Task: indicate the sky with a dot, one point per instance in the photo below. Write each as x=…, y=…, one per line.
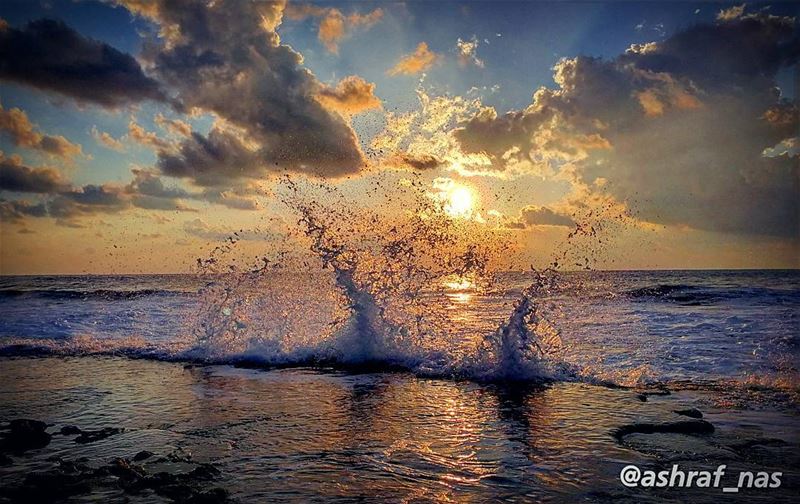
x=136, y=135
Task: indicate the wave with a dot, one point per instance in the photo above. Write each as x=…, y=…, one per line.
x=748, y=392
x=101, y=294
x=700, y=295
x=186, y=352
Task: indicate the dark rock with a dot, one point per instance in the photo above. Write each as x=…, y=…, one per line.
x=5, y=460
x=22, y=425
x=69, y=430
x=642, y=396
x=204, y=472
x=690, y=412
x=213, y=496
x=691, y=427
x=50, y=487
x=24, y=434
x=124, y=470
x=92, y=436
x=142, y=455
x=70, y=467
x=177, y=492
x=153, y=482
x=179, y=457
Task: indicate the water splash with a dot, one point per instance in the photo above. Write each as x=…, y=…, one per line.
x=384, y=292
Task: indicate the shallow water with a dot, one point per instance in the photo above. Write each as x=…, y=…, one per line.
x=302, y=434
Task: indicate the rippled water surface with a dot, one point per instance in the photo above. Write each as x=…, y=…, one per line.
x=302, y=434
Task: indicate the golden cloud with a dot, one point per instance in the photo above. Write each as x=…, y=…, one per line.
x=420, y=60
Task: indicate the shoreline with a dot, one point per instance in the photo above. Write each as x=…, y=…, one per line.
x=258, y=417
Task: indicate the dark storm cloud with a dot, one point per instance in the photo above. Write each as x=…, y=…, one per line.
x=728, y=54
x=211, y=160
x=226, y=57
x=683, y=129
x=62, y=200
x=49, y=55
x=16, y=211
x=16, y=177
x=147, y=190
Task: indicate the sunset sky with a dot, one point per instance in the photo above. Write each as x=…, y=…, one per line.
x=135, y=134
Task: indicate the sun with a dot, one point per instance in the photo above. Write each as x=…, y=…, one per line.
x=460, y=201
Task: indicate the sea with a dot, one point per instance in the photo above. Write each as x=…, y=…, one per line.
x=299, y=389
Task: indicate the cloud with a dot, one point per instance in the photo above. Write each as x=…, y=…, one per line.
x=16, y=177
x=106, y=140
x=239, y=198
x=174, y=126
x=51, y=56
x=677, y=129
x=16, y=211
x=420, y=60
x=351, y=96
x=419, y=161
x=731, y=13
x=136, y=133
x=16, y=125
x=333, y=25
x=213, y=160
x=147, y=138
x=204, y=230
x=533, y=215
x=468, y=52
x=62, y=200
x=148, y=191
x=226, y=58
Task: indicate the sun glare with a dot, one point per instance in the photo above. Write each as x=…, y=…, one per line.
x=460, y=202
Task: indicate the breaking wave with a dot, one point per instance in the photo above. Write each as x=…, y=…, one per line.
x=349, y=287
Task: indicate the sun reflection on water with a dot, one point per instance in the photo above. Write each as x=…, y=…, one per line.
x=460, y=289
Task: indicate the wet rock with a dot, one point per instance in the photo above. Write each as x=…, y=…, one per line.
x=52, y=486
x=204, y=472
x=213, y=496
x=124, y=470
x=92, y=436
x=178, y=492
x=24, y=434
x=178, y=487
x=142, y=455
x=690, y=412
x=153, y=482
x=176, y=457
x=69, y=430
x=691, y=427
x=72, y=467
x=642, y=396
